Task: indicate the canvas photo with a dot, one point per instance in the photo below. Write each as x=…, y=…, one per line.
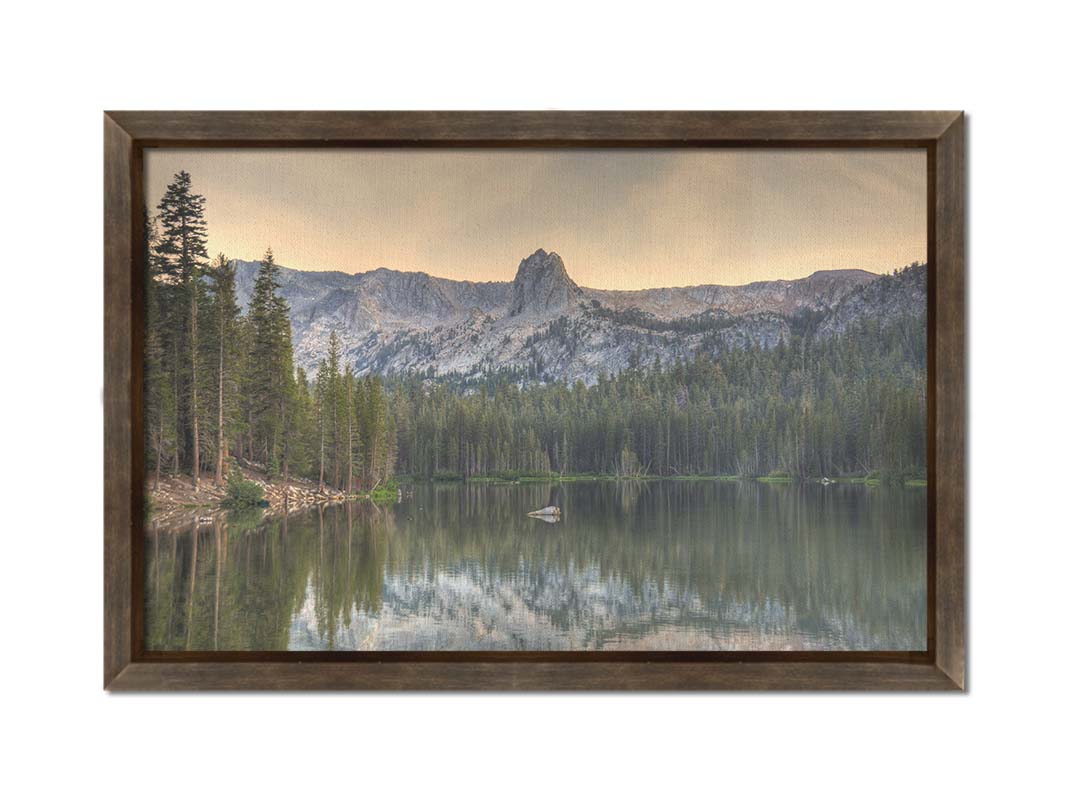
x=466, y=399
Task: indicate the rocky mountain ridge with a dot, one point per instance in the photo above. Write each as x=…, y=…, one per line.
x=543, y=326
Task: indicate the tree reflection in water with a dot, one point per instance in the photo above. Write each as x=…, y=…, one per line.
x=688, y=565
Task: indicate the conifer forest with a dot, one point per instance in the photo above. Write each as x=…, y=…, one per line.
x=222, y=389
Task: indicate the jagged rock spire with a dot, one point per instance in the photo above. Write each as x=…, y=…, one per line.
x=542, y=284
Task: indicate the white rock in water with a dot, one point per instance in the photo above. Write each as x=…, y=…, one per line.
x=547, y=511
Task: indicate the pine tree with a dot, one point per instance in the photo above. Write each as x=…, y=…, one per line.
x=270, y=367
x=334, y=399
x=225, y=346
x=182, y=255
x=355, y=445
x=370, y=403
x=155, y=351
x=321, y=401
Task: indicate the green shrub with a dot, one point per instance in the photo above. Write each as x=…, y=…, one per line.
x=241, y=492
x=387, y=492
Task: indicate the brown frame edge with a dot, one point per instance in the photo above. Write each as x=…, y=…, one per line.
x=126, y=133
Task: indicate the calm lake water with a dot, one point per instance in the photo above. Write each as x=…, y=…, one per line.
x=679, y=565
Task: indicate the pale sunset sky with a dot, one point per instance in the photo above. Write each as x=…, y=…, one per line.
x=620, y=219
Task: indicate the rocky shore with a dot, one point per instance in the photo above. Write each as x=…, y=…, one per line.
x=174, y=499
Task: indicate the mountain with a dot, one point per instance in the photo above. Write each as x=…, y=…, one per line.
x=542, y=286
x=882, y=300
x=542, y=325
x=820, y=290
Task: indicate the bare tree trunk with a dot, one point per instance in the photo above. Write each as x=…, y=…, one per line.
x=192, y=350
x=667, y=456
x=322, y=454
x=336, y=447
x=222, y=437
x=285, y=456
x=796, y=448
x=176, y=466
x=159, y=451
x=349, y=482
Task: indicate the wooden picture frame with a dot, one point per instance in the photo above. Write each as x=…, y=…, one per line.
x=128, y=667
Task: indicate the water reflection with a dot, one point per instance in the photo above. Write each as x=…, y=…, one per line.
x=631, y=565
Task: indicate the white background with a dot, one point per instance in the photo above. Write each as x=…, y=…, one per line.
x=62, y=66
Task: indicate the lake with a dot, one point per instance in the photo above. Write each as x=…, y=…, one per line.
x=637, y=565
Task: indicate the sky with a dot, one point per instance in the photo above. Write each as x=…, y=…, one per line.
x=619, y=218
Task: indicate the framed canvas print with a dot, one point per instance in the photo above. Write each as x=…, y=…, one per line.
x=534, y=400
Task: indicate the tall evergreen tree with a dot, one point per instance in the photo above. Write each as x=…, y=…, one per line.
x=155, y=364
x=321, y=404
x=181, y=250
x=224, y=340
x=355, y=446
x=335, y=402
x=270, y=365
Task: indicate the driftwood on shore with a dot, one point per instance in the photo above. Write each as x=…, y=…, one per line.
x=174, y=498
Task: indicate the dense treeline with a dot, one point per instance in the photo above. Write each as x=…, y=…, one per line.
x=850, y=405
x=221, y=385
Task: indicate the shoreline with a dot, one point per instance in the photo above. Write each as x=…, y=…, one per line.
x=175, y=499
x=491, y=480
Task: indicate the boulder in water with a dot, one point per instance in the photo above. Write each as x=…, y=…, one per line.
x=547, y=511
